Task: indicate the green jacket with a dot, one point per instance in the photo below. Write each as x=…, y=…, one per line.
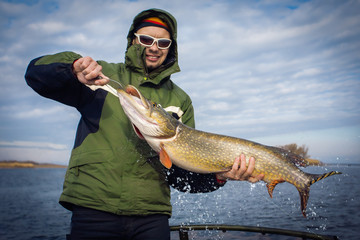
x=110, y=168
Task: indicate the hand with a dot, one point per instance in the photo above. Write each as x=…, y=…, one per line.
x=240, y=172
x=88, y=71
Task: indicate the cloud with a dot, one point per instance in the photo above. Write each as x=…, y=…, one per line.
x=40, y=112
x=48, y=27
x=259, y=68
x=307, y=72
x=37, y=112
x=26, y=144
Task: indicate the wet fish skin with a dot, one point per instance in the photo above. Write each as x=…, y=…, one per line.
x=204, y=152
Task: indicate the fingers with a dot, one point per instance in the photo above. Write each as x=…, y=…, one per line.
x=242, y=169
x=256, y=178
x=245, y=172
x=241, y=172
x=248, y=175
x=87, y=70
x=237, y=164
x=231, y=174
x=101, y=80
x=250, y=168
x=91, y=69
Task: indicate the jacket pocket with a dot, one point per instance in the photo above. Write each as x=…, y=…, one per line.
x=90, y=179
x=89, y=157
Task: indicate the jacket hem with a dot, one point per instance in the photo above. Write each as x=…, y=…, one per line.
x=68, y=202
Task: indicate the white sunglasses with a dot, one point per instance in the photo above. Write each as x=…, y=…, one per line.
x=148, y=41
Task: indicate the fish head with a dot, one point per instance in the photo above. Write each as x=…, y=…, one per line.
x=148, y=118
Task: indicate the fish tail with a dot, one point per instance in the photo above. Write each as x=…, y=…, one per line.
x=304, y=191
x=304, y=197
x=318, y=177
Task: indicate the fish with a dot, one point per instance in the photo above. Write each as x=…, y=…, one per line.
x=203, y=152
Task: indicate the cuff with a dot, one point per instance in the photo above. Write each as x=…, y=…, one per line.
x=219, y=181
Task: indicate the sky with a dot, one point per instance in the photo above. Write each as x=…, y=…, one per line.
x=275, y=72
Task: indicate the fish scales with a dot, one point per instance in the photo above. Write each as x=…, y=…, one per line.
x=205, y=152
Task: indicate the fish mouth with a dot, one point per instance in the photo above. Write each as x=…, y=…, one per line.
x=135, y=106
x=137, y=96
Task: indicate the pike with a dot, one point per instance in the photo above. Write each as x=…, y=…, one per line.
x=204, y=152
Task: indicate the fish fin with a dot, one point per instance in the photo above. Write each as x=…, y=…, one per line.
x=318, y=177
x=271, y=185
x=304, y=197
x=305, y=191
x=292, y=157
x=164, y=158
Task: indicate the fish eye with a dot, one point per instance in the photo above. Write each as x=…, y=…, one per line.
x=155, y=105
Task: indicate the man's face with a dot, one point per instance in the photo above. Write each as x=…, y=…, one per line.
x=154, y=56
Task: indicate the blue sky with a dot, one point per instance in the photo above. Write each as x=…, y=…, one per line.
x=275, y=72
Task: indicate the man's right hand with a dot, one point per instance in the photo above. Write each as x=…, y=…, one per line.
x=88, y=71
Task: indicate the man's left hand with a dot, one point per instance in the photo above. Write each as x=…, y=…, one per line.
x=240, y=172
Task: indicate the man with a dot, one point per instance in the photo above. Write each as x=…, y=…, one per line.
x=114, y=185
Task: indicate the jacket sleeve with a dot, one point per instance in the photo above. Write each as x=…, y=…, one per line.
x=186, y=181
x=51, y=76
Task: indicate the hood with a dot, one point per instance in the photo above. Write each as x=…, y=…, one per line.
x=163, y=15
x=133, y=52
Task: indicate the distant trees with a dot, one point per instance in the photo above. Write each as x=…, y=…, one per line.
x=303, y=152
x=299, y=150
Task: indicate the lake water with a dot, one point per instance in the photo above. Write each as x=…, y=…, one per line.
x=29, y=206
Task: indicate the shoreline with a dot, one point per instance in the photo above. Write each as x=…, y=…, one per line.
x=28, y=164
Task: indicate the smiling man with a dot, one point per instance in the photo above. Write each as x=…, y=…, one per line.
x=157, y=41
x=114, y=185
